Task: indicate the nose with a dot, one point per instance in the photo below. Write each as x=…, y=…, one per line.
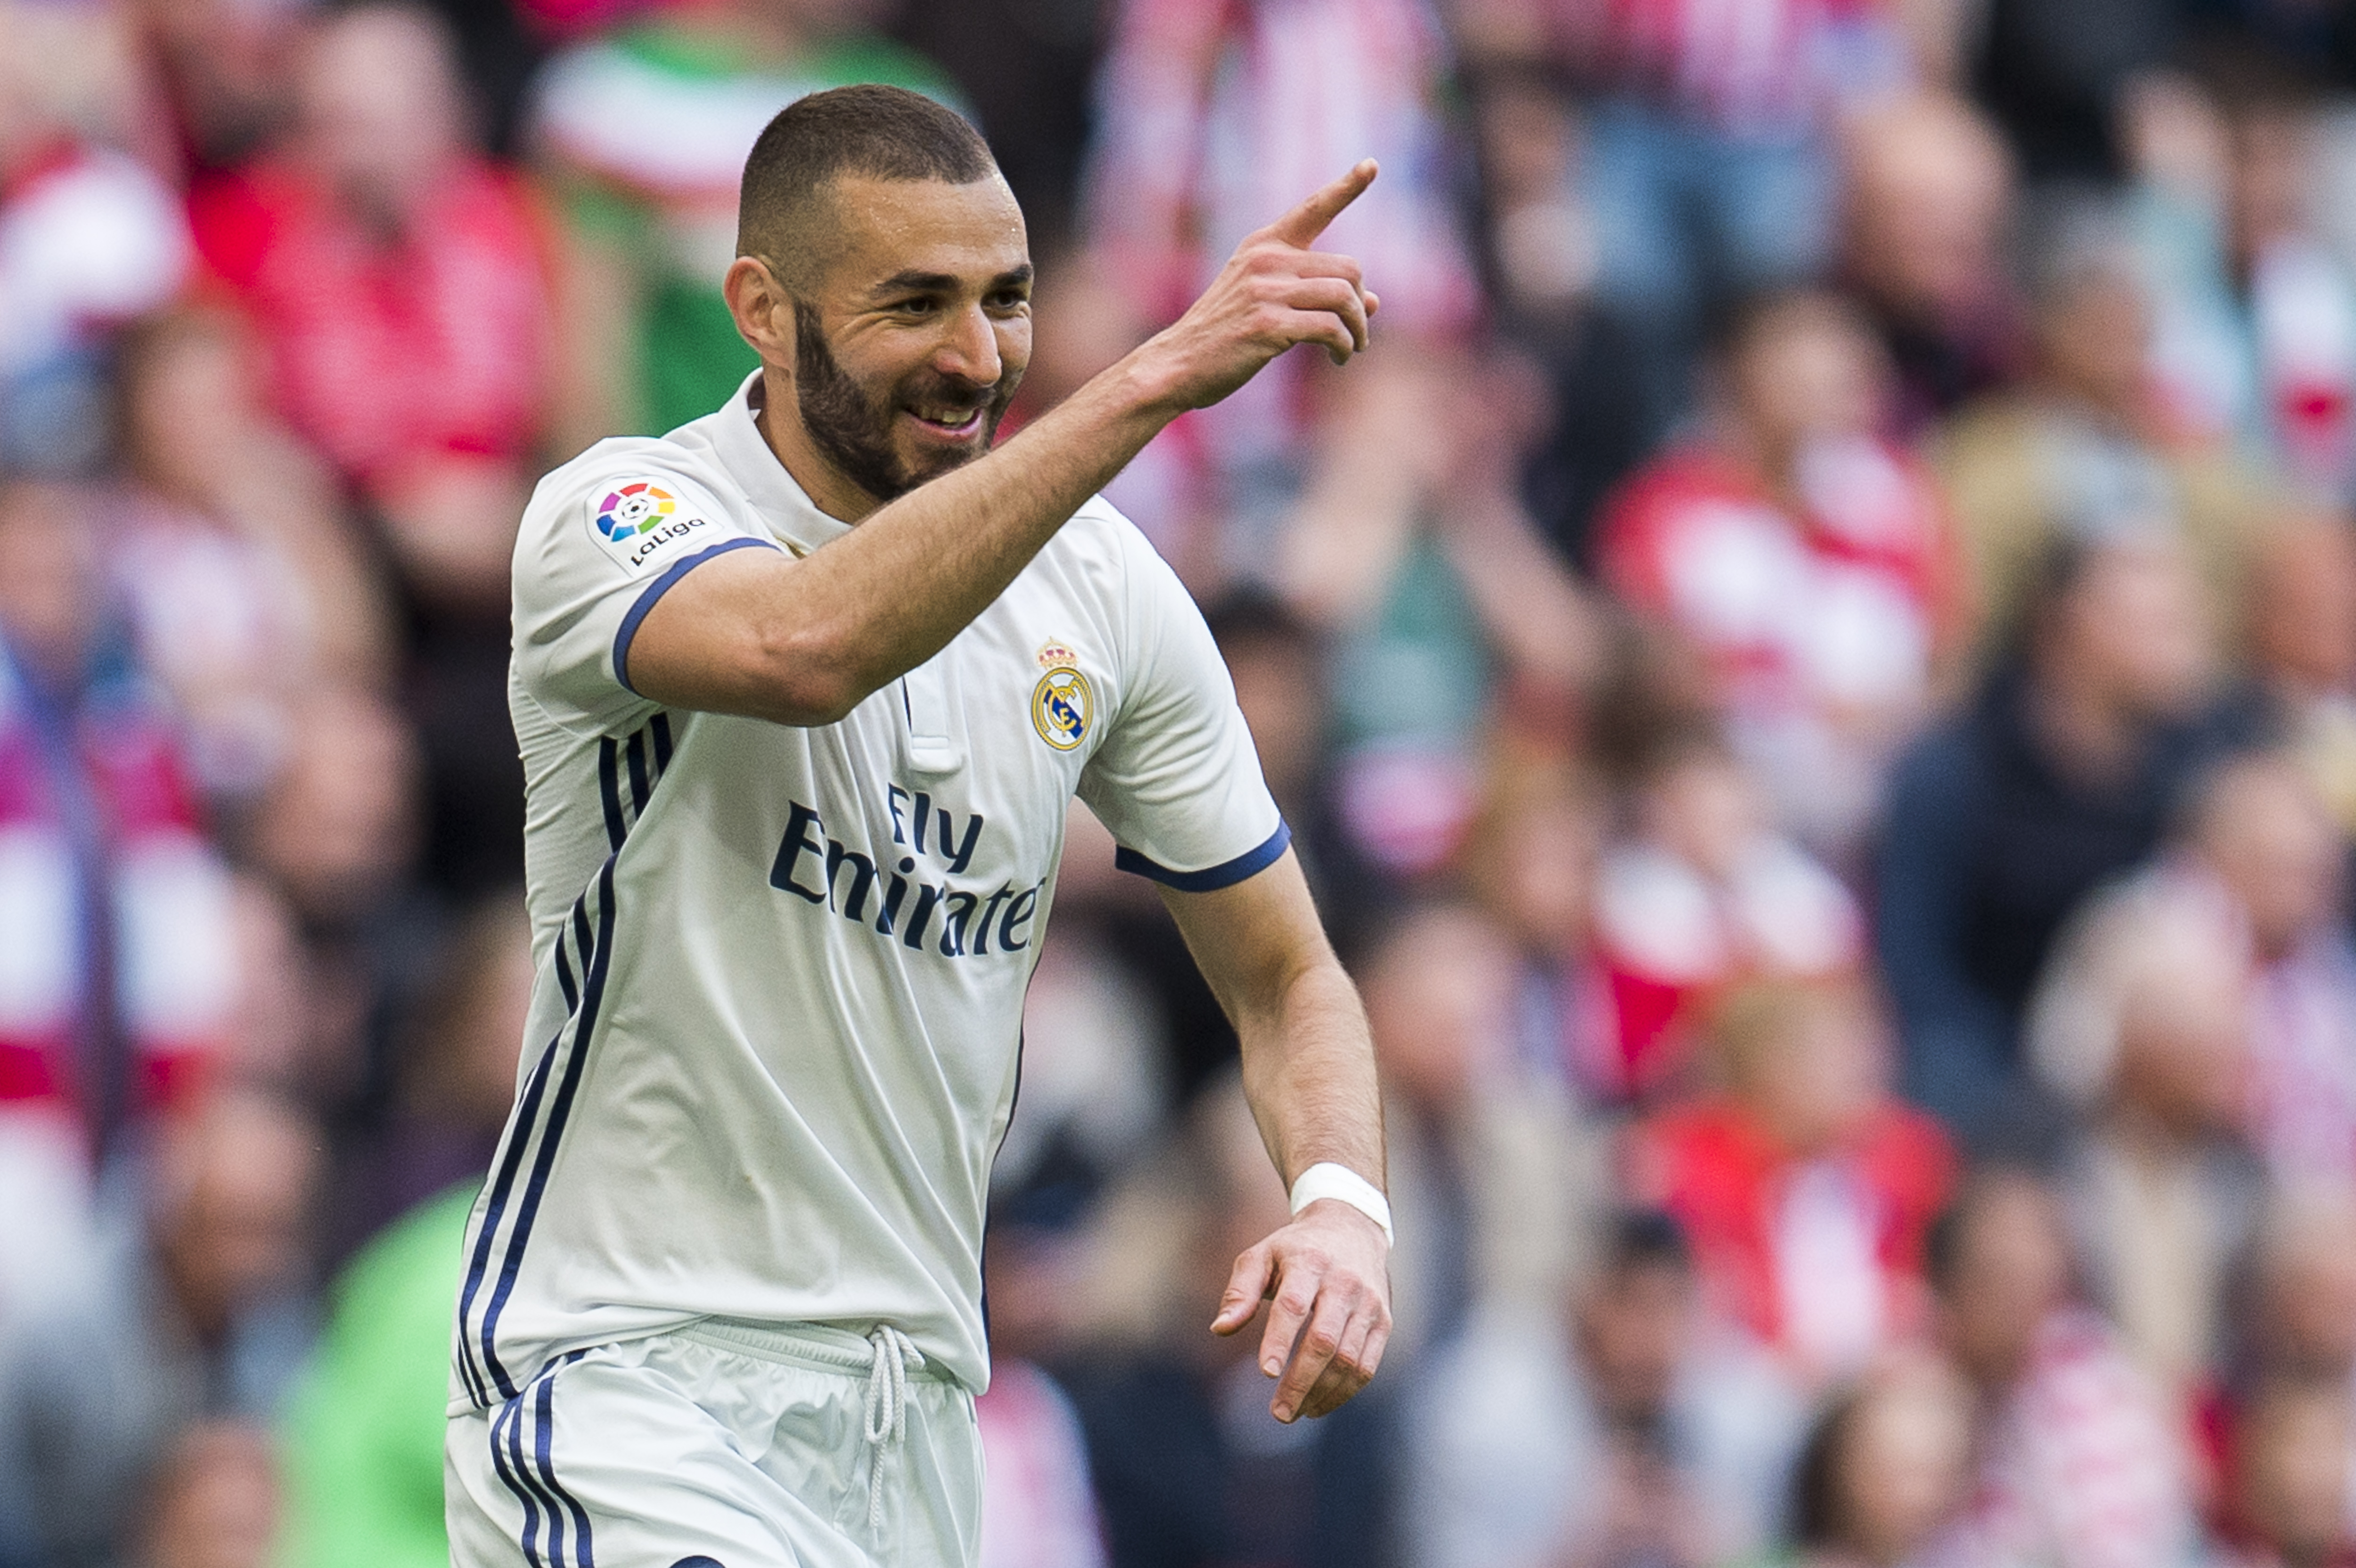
x=970, y=350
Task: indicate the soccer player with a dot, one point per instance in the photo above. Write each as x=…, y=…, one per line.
x=804, y=690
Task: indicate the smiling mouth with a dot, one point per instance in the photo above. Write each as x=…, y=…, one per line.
x=949, y=424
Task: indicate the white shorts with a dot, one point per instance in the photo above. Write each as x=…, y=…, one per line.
x=721, y=1446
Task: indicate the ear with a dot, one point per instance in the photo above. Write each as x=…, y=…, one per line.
x=763, y=311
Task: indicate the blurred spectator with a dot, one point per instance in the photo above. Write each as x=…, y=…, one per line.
x=1278, y=663
x=1094, y=1070
x=1706, y=165
x=1805, y=557
x=1409, y=549
x=2086, y=449
x=2060, y=775
x=191, y=1309
x=2080, y=1463
x=2291, y=1480
x=1539, y=249
x=400, y=284
x=2297, y=1319
x=116, y=992
x=2054, y=73
x=1621, y=1429
x=646, y=133
x=220, y=74
x=1192, y=1470
x=1531, y=863
x=364, y=1431
x=245, y=587
x=403, y=288
x=1806, y=1189
x=454, y=1077
x=2262, y=838
x=1925, y=214
x=335, y=832
x=1884, y=1472
x=2255, y=875
x=2143, y=1027
x=2297, y=1316
x=1703, y=895
x=89, y=239
x=2256, y=340
x=216, y=1503
x=1037, y=1508
x=1212, y=118
x=335, y=837
x=1026, y=69
x=2303, y=648
x=1489, y=1171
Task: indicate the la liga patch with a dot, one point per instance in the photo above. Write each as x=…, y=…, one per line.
x=642, y=522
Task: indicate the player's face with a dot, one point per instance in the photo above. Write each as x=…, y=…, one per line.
x=918, y=332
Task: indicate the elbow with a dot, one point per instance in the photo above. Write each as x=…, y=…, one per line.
x=804, y=678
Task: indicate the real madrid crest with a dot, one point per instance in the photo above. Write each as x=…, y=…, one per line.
x=1063, y=705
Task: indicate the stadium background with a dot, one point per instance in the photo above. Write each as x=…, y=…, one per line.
x=1814, y=669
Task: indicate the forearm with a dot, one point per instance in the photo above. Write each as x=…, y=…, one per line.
x=805, y=641
x=892, y=593
x=1309, y=1072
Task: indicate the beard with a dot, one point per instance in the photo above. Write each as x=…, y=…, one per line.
x=852, y=426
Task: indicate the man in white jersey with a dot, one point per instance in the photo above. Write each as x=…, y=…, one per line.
x=804, y=690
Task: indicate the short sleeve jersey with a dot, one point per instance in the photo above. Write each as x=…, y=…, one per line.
x=775, y=1038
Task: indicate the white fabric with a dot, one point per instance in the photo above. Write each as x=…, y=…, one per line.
x=718, y=1445
x=773, y=1045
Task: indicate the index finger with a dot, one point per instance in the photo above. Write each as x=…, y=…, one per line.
x=1304, y=223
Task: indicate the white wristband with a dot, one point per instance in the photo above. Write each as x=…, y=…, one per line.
x=1327, y=1179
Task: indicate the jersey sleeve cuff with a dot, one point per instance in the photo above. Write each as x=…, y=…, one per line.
x=1211, y=878
x=654, y=591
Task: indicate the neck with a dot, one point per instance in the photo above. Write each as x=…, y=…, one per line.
x=778, y=419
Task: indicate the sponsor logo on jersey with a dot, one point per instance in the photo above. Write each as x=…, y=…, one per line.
x=888, y=893
x=640, y=520
x=1063, y=705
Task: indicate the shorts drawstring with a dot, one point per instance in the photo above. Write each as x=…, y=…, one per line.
x=887, y=1406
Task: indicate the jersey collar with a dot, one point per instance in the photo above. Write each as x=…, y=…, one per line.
x=791, y=515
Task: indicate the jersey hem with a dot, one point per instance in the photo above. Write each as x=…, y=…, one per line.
x=654, y=591
x=1211, y=878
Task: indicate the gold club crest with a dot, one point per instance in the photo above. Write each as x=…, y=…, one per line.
x=1063, y=705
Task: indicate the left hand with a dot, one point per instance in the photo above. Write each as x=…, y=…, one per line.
x=1327, y=1276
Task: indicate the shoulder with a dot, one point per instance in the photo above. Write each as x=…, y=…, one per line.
x=1101, y=530
x=640, y=475
x=1101, y=554
x=629, y=507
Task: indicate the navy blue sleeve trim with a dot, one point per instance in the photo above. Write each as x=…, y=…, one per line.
x=656, y=590
x=1227, y=874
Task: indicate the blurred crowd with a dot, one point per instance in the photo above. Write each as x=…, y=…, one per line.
x=1813, y=670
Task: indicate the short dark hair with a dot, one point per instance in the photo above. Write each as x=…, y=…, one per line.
x=872, y=131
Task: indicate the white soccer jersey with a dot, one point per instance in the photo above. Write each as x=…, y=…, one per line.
x=773, y=1047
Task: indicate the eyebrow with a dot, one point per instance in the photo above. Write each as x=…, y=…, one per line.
x=943, y=282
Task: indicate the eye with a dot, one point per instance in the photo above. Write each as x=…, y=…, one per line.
x=918, y=304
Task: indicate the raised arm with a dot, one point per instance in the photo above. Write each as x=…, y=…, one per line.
x=1309, y=1072
x=804, y=641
